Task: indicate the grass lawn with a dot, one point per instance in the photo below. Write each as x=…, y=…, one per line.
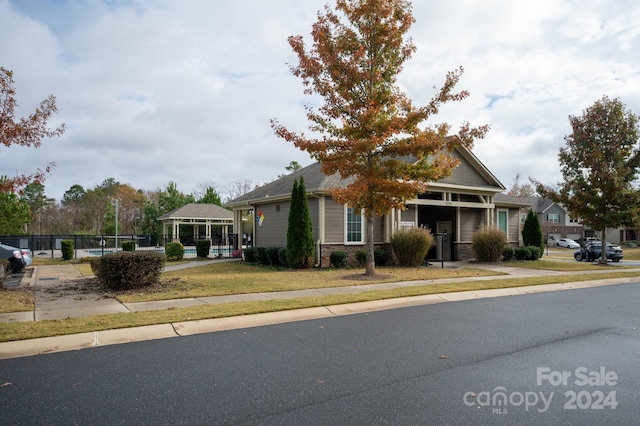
x=239, y=277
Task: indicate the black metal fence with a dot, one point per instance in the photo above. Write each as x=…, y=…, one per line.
x=98, y=245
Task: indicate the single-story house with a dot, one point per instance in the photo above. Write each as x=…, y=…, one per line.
x=457, y=205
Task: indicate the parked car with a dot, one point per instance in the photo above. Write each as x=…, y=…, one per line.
x=14, y=258
x=584, y=240
x=26, y=255
x=592, y=251
x=568, y=243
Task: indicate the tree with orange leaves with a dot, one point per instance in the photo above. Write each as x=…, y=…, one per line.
x=367, y=127
x=27, y=131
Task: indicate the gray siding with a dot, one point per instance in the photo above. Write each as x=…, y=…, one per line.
x=378, y=229
x=273, y=231
x=470, y=221
x=465, y=174
x=514, y=225
x=409, y=215
x=313, y=214
x=334, y=222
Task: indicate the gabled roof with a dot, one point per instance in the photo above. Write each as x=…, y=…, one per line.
x=316, y=182
x=199, y=211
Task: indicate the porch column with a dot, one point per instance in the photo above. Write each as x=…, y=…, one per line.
x=176, y=231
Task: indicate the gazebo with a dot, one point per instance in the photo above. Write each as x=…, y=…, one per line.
x=197, y=215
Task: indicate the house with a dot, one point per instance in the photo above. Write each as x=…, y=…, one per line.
x=554, y=220
x=456, y=206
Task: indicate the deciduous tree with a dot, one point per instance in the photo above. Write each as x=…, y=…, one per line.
x=28, y=132
x=599, y=164
x=368, y=127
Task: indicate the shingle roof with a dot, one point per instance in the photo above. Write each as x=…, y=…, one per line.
x=314, y=181
x=198, y=211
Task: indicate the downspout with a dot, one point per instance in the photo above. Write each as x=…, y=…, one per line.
x=318, y=255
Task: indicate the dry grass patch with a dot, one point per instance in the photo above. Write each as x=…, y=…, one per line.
x=30, y=330
x=219, y=279
x=16, y=300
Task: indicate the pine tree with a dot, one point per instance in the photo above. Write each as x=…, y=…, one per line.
x=306, y=228
x=532, y=232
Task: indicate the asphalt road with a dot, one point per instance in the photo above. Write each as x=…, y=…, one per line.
x=565, y=357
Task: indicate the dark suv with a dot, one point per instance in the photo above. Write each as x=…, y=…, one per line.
x=592, y=251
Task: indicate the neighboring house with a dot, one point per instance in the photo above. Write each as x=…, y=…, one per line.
x=458, y=205
x=204, y=221
x=555, y=221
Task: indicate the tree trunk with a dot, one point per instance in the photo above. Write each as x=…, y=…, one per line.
x=370, y=263
x=603, y=251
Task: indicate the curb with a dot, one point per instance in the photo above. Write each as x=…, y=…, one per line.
x=44, y=345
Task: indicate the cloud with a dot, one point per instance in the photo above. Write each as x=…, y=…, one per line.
x=158, y=91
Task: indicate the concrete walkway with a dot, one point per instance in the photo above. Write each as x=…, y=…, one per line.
x=58, y=297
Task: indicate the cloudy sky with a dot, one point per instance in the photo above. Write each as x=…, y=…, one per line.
x=153, y=91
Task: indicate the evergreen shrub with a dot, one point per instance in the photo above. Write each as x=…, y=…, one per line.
x=174, y=251
x=339, y=258
x=128, y=246
x=67, y=249
x=202, y=248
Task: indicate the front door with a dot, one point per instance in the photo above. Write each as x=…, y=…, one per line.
x=443, y=248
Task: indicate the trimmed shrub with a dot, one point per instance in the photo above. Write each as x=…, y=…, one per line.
x=128, y=246
x=411, y=245
x=508, y=253
x=339, y=258
x=174, y=251
x=262, y=257
x=202, y=248
x=272, y=254
x=127, y=270
x=237, y=254
x=67, y=249
x=380, y=257
x=536, y=253
x=282, y=256
x=523, y=253
x=488, y=244
x=250, y=255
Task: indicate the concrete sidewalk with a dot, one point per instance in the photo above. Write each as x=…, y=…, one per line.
x=56, y=299
x=59, y=294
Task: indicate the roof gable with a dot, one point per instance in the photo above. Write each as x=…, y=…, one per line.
x=198, y=211
x=470, y=172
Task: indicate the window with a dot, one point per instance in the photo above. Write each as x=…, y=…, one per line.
x=553, y=218
x=523, y=217
x=502, y=221
x=572, y=220
x=353, y=227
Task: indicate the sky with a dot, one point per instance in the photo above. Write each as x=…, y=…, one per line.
x=159, y=91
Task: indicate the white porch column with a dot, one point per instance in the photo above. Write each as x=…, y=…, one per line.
x=176, y=231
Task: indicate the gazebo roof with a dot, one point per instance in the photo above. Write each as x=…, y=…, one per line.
x=199, y=211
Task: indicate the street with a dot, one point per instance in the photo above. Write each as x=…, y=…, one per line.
x=564, y=357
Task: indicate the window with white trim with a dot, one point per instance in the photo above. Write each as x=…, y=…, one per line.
x=503, y=221
x=553, y=218
x=353, y=227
